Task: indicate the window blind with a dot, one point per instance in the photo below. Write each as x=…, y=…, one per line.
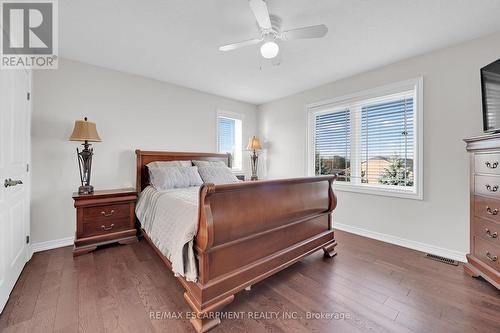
x=371, y=140
x=387, y=142
x=332, y=144
x=227, y=129
x=230, y=139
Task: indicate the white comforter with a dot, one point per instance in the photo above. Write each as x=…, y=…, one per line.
x=170, y=218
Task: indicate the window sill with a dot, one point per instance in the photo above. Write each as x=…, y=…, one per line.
x=387, y=191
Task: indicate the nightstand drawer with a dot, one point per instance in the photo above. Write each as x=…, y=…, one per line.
x=100, y=227
x=106, y=213
x=487, y=253
x=487, y=163
x=487, y=230
x=487, y=208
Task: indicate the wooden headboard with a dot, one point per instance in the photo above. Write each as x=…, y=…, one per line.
x=145, y=157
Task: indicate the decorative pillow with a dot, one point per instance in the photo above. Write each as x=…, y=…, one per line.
x=191, y=175
x=184, y=164
x=217, y=175
x=209, y=163
x=164, y=178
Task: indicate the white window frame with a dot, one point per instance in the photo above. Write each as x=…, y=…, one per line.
x=236, y=116
x=352, y=102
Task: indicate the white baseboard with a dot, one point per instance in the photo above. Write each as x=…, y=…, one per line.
x=414, y=245
x=52, y=244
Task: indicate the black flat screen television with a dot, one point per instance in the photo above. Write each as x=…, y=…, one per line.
x=490, y=86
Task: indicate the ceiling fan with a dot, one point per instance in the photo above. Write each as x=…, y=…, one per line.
x=271, y=34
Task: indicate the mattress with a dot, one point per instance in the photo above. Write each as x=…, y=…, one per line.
x=170, y=218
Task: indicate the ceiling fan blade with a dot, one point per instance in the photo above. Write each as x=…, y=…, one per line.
x=314, y=31
x=234, y=46
x=261, y=13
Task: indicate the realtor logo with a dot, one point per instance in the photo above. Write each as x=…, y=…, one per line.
x=29, y=38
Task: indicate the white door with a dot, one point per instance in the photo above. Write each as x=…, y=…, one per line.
x=14, y=158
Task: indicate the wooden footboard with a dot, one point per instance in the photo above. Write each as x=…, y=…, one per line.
x=248, y=231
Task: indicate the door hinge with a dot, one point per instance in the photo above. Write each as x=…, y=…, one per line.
x=27, y=167
x=27, y=239
x=28, y=95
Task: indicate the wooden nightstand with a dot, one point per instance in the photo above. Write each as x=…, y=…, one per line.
x=104, y=217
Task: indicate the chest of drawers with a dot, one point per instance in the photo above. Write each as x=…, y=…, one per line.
x=484, y=257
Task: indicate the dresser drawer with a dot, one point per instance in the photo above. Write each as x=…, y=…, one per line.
x=487, y=252
x=487, y=163
x=100, y=227
x=487, y=230
x=487, y=208
x=487, y=185
x=106, y=213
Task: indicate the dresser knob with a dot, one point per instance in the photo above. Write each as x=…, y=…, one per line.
x=492, y=258
x=491, y=189
x=491, y=212
x=103, y=227
x=491, y=166
x=103, y=213
x=490, y=234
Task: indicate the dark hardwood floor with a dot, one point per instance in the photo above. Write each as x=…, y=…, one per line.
x=377, y=287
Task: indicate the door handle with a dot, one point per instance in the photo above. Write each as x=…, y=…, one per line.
x=9, y=182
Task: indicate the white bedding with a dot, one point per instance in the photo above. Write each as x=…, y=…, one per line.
x=170, y=218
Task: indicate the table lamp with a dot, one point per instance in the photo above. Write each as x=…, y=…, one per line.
x=86, y=132
x=254, y=145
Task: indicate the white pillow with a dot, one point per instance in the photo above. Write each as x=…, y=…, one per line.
x=184, y=164
x=217, y=175
x=165, y=178
x=209, y=163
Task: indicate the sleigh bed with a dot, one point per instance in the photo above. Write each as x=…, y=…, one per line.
x=247, y=231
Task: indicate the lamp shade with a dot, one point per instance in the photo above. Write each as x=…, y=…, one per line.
x=254, y=143
x=85, y=131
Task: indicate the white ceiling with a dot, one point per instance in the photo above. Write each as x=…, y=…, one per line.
x=177, y=40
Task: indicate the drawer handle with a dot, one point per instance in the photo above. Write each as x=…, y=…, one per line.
x=103, y=213
x=491, y=212
x=492, y=258
x=490, y=235
x=103, y=227
x=491, y=189
x=491, y=166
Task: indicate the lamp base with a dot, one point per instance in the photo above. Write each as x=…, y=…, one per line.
x=254, y=159
x=87, y=189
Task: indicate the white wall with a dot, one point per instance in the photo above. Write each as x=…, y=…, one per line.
x=131, y=112
x=452, y=111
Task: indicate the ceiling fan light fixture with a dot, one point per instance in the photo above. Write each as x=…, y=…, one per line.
x=271, y=33
x=269, y=49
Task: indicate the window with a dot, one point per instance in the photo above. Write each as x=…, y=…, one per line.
x=370, y=140
x=229, y=138
x=332, y=144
